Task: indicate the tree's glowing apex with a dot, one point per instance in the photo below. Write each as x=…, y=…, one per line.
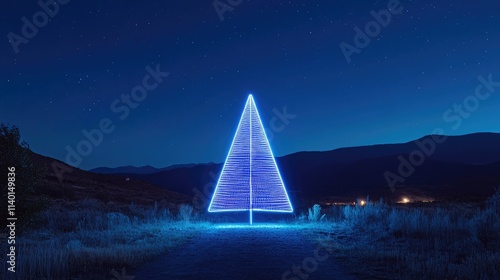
x=250, y=179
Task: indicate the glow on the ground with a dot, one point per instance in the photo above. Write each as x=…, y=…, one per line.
x=279, y=225
x=224, y=226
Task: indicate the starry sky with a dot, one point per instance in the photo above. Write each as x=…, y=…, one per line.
x=406, y=82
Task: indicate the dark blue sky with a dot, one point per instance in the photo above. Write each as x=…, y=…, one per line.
x=65, y=78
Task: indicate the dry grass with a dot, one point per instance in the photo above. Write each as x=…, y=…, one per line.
x=88, y=239
x=379, y=241
x=90, y=243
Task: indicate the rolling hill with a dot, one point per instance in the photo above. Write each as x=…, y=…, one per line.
x=458, y=167
x=121, y=190
x=129, y=169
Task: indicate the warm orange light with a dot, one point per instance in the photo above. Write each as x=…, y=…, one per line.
x=362, y=202
x=405, y=200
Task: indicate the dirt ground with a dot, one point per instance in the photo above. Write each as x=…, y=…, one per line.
x=227, y=252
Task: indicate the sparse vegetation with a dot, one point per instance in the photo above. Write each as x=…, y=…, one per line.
x=185, y=213
x=16, y=153
x=87, y=239
x=314, y=213
x=383, y=241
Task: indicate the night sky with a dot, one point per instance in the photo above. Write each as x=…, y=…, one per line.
x=286, y=53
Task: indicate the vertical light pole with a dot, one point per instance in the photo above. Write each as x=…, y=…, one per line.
x=251, y=214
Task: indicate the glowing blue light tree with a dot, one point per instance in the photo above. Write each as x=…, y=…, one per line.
x=250, y=179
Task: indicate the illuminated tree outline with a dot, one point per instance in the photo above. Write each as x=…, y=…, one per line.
x=250, y=179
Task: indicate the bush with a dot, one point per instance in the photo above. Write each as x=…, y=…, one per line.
x=493, y=202
x=14, y=153
x=373, y=216
x=486, y=223
x=185, y=213
x=116, y=220
x=315, y=214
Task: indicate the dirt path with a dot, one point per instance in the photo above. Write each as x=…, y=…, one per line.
x=234, y=253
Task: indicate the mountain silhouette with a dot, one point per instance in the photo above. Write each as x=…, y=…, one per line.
x=459, y=167
x=130, y=169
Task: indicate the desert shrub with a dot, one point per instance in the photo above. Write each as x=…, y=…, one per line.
x=87, y=253
x=486, y=225
x=408, y=222
x=62, y=219
x=90, y=220
x=314, y=213
x=417, y=223
x=335, y=213
x=146, y=214
x=185, y=213
x=493, y=203
x=136, y=212
x=431, y=241
x=16, y=153
x=371, y=216
x=150, y=213
x=116, y=219
x=164, y=215
x=155, y=214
